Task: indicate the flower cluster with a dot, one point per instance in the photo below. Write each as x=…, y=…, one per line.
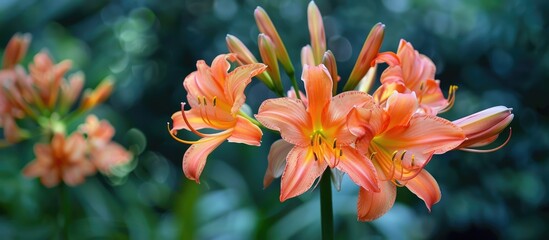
x=41, y=104
x=380, y=141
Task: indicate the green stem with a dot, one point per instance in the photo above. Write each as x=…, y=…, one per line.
x=326, y=213
x=65, y=211
x=294, y=84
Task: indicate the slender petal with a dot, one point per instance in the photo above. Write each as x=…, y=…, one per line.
x=401, y=107
x=359, y=168
x=287, y=115
x=300, y=173
x=195, y=157
x=425, y=187
x=426, y=134
x=237, y=81
x=372, y=205
x=246, y=132
x=415, y=67
x=277, y=161
x=318, y=86
x=339, y=108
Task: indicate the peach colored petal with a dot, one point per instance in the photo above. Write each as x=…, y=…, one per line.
x=425, y=187
x=400, y=108
x=415, y=67
x=300, y=173
x=318, y=87
x=288, y=116
x=110, y=156
x=76, y=173
x=195, y=157
x=277, y=161
x=359, y=168
x=339, y=108
x=195, y=119
x=220, y=67
x=35, y=169
x=387, y=89
x=426, y=134
x=237, y=81
x=432, y=99
x=51, y=178
x=246, y=132
x=372, y=205
x=367, y=121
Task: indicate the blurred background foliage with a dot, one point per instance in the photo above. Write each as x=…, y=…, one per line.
x=497, y=52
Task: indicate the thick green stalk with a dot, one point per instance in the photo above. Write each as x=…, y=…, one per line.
x=326, y=213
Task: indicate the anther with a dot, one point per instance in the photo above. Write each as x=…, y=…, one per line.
x=316, y=157
x=335, y=144
x=403, y=154
x=394, y=155
x=214, y=101
x=204, y=99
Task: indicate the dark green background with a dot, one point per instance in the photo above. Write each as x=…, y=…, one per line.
x=497, y=52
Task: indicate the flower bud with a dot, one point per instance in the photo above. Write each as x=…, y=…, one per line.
x=484, y=127
x=97, y=96
x=316, y=30
x=267, y=27
x=16, y=50
x=244, y=56
x=329, y=61
x=268, y=55
x=368, y=53
x=307, y=57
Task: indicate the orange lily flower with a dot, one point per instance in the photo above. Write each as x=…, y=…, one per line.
x=319, y=135
x=62, y=160
x=215, y=96
x=400, y=143
x=413, y=72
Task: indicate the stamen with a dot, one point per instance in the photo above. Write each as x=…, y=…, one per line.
x=393, y=157
x=214, y=101
x=372, y=155
x=490, y=150
x=204, y=99
x=186, y=141
x=403, y=154
x=316, y=157
x=451, y=98
x=191, y=127
x=334, y=144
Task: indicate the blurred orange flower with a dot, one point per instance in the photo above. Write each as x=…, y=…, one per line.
x=64, y=159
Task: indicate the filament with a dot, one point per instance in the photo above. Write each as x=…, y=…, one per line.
x=492, y=149
x=187, y=141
